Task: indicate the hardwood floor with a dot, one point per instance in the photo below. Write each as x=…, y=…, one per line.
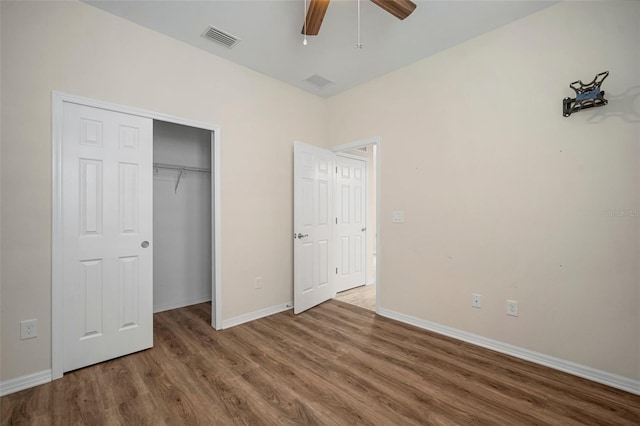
x=363, y=296
x=336, y=364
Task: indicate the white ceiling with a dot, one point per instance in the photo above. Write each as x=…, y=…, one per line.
x=271, y=42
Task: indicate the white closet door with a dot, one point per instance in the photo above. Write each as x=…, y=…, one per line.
x=107, y=216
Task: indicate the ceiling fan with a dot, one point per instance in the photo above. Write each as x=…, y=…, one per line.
x=317, y=8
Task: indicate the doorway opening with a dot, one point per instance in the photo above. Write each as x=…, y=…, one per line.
x=182, y=228
x=365, y=292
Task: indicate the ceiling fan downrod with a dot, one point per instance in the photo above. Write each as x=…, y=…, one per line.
x=304, y=42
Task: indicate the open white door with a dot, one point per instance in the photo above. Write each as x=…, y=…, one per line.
x=107, y=226
x=312, y=226
x=351, y=187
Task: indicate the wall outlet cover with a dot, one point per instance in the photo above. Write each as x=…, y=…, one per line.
x=476, y=300
x=398, y=217
x=512, y=308
x=28, y=329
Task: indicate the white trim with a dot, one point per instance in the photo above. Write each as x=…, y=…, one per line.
x=251, y=316
x=359, y=144
x=57, y=295
x=95, y=103
x=599, y=376
x=25, y=382
x=346, y=154
x=216, y=230
x=57, y=240
x=182, y=304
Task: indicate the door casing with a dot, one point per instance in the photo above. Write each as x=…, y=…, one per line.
x=57, y=285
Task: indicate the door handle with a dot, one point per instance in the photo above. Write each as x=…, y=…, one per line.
x=144, y=244
x=364, y=229
x=300, y=236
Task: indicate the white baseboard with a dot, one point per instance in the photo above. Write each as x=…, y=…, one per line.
x=182, y=304
x=24, y=382
x=600, y=376
x=241, y=319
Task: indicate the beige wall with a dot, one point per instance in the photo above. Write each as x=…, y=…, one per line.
x=504, y=196
x=77, y=49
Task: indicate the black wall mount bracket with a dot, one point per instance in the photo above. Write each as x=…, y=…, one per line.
x=587, y=95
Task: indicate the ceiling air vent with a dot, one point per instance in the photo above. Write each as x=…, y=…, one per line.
x=318, y=81
x=220, y=37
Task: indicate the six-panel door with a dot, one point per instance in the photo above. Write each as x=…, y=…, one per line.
x=312, y=218
x=351, y=188
x=107, y=216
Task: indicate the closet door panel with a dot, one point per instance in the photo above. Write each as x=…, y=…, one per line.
x=107, y=218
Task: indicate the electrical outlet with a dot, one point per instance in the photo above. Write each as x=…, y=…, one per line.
x=258, y=283
x=398, y=217
x=512, y=308
x=476, y=300
x=28, y=329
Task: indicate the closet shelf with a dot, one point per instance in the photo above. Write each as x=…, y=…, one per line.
x=181, y=169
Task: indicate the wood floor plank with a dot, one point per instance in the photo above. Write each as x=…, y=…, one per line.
x=496, y=379
x=414, y=355
x=366, y=359
x=355, y=389
x=309, y=384
x=343, y=375
x=335, y=364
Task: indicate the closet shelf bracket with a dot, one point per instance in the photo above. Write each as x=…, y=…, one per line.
x=175, y=190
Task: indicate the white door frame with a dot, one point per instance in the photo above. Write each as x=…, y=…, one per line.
x=57, y=287
x=360, y=144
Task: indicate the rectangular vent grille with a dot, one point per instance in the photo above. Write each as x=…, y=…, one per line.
x=220, y=37
x=318, y=81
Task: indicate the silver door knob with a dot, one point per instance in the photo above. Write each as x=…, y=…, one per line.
x=364, y=229
x=144, y=244
x=302, y=235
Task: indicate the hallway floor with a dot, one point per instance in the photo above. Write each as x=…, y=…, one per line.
x=363, y=296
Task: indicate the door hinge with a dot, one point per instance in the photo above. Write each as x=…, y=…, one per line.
x=336, y=271
x=336, y=169
x=336, y=220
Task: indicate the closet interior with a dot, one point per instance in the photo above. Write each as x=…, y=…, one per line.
x=182, y=228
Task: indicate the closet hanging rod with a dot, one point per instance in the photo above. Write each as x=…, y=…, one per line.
x=181, y=168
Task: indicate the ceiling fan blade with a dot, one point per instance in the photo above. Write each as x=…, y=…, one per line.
x=315, y=15
x=398, y=8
